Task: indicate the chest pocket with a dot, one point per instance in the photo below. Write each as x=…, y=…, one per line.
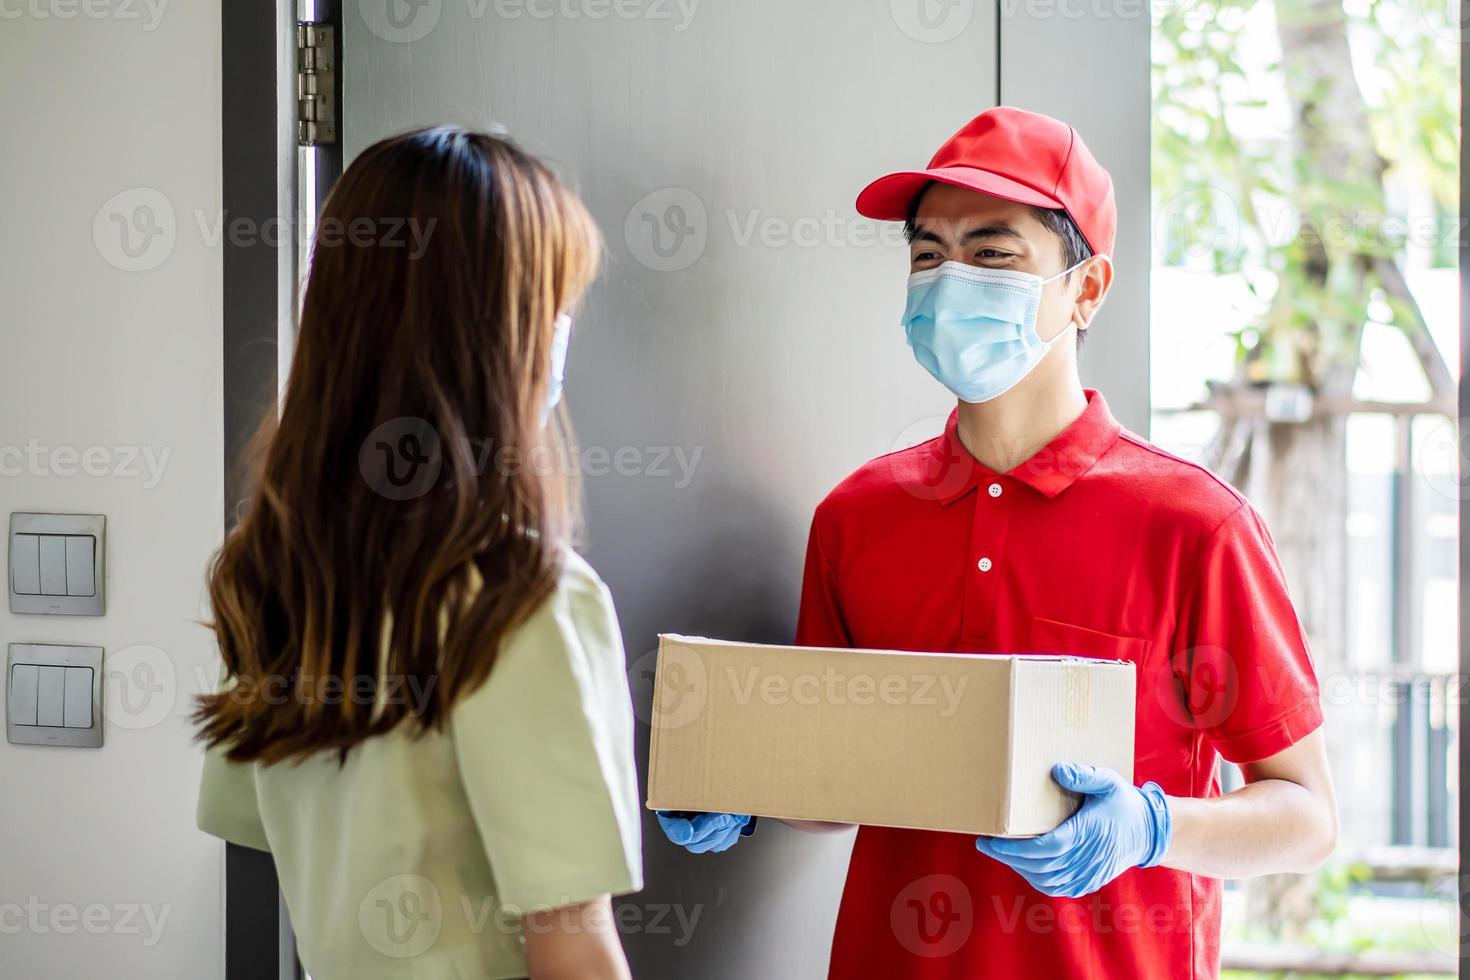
x=1159, y=753
x=1054, y=636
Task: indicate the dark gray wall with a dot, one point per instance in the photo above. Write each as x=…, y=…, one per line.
x=753, y=358
x=1089, y=63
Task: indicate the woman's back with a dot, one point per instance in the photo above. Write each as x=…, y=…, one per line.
x=428, y=850
x=425, y=715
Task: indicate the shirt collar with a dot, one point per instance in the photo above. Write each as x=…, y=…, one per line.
x=1050, y=470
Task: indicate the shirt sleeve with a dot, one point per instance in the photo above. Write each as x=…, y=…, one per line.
x=1240, y=657
x=545, y=750
x=819, y=622
x=228, y=806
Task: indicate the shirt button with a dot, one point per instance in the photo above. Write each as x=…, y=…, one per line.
x=995, y=489
x=984, y=564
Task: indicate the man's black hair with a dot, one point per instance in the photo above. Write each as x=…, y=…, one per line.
x=1055, y=220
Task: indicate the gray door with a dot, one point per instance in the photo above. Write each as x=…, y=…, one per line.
x=740, y=352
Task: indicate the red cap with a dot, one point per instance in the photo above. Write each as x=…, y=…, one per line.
x=1017, y=156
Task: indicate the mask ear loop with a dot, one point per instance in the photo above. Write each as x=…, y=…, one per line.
x=1069, y=268
x=1075, y=265
x=1060, y=334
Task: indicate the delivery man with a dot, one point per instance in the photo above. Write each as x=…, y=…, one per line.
x=1035, y=523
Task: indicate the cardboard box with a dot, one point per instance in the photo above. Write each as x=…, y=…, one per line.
x=936, y=741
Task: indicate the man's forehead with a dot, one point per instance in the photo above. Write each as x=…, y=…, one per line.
x=957, y=209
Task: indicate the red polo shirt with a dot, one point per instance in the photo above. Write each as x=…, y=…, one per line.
x=1099, y=545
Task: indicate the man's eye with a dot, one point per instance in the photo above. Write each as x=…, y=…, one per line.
x=991, y=253
x=925, y=256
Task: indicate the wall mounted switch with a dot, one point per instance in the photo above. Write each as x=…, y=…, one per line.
x=57, y=564
x=53, y=695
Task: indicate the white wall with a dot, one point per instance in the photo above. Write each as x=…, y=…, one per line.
x=102, y=361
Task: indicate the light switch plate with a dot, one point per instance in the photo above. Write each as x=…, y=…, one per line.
x=46, y=683
x=48, y=555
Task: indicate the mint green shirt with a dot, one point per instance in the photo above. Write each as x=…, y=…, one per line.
x=418, y=857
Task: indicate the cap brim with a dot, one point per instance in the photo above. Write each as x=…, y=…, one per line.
x=889, y=197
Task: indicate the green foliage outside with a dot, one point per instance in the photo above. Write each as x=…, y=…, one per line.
x=1221, y=197
x=1314, y=220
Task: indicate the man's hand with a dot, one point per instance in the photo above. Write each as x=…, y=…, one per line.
x=703, y=832
x=1119, y=826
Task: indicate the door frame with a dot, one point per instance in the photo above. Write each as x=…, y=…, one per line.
x=1463, y=742
x=261, y=171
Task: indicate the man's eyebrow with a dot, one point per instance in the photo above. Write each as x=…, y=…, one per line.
x=996, y=229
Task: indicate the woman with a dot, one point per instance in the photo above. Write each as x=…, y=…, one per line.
x=425, y=716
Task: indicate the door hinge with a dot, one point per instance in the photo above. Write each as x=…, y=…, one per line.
x=316, y=84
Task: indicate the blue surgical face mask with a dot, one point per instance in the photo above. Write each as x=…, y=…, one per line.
x=974, y=329
x=561, y=339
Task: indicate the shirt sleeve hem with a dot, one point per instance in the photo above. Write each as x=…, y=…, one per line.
x=235, y=831
x=1276, y=736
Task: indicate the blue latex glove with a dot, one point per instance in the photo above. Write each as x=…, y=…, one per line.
x=1119, y=826
x=701, y=832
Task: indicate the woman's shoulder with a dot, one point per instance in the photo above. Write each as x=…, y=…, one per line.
x=579, y=578
x=580, y=608
x=581, y=595
x=571, y=634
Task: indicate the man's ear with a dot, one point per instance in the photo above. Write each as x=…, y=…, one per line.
x=1097, y=279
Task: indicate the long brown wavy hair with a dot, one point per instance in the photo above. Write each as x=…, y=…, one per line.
x=407, y=509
